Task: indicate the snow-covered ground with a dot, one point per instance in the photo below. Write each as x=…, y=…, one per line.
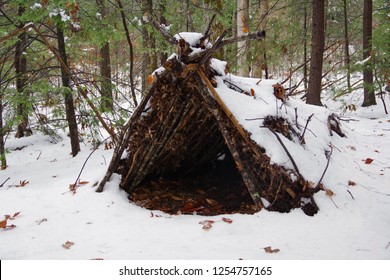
x=354, y=223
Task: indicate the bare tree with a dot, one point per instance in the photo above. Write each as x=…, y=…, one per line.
x=69, y=106
x=105, y=66
x=21, y=79
x=346, y=43
x=368, y=78
x=317, y=51
x=242, y=29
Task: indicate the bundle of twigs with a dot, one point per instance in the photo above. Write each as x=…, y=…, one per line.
x=182, y=125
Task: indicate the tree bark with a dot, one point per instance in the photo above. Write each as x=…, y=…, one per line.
x=260, y=61
x=21, y=79
x=69, y=106
x=150, y=56
x=368, y=77
x=305, y=46
x=346, y=43
x=317, y=51
x=105, y=67
x=3, y=160
x=242, y=29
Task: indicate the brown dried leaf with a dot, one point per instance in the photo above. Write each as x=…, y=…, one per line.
x=368, y=161
x=329, y=192
x=150, y=79
x=351, y=183
x=3, y=223
x=83, y=182
x=227, y=220
x=16, y=214
x=252, y=92
x=268, y=249
x=72, y=187
x=23, y=183
x=67, y=244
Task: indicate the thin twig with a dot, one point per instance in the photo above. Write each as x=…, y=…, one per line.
x=5, y=182
x=304, y=130
x=350, y=194
x=85, y=162
x=327, y=155
x=285, y=149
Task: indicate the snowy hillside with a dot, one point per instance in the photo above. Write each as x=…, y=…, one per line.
x=53, y=223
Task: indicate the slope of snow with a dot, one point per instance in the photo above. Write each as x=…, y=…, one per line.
x=353, y=224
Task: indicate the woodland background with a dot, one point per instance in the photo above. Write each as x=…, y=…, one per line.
x=83, y=66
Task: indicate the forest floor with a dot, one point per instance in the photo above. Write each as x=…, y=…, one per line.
x=49, y=221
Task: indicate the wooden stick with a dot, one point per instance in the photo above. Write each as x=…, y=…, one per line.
x=228, y=113
x=246, y=173
x=124, y=138
x=16, y=32
x=285, y=149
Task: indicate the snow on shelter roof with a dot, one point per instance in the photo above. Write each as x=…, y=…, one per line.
x=250, y=112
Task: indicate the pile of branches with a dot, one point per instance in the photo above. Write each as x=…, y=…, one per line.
x=182, y=125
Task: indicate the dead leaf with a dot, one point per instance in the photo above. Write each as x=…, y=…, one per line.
x=212, y=202
x=351, y=183
x=227, y=220
x=207, y=224
x=244, y=25
x=67, y=244
x=72, y=187
x=16, y=214
x=23, y=183
x=368, y=161
x=150, y=79
x=3, y=223
x=252, y=92
x=176, y=198
x=83, y=182
x=329, y=192
x=376, y=151
x=268, y=249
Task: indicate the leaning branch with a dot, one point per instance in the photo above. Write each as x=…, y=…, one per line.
x=250, y=36
x=285, y=149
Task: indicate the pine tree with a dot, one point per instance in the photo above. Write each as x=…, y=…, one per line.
x=317, y=51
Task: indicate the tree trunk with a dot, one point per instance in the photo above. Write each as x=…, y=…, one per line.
x=260, y=60
x=317, y=51
x=305, y=46
x=105, y=73
x=3, y=160
x=163, y=54
x=69, y=106
x=150, y=57
x=346, y=44
x=21, y=78
x=368, y=78
x=242, y=28
x=105, y=67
